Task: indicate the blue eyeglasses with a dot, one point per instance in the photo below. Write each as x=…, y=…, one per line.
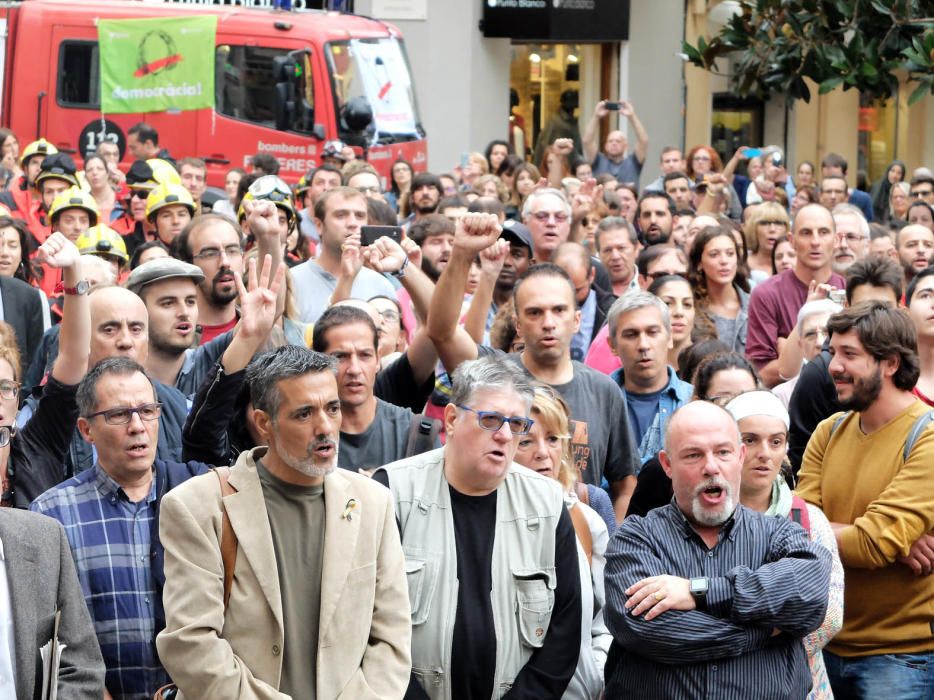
x=493, y=421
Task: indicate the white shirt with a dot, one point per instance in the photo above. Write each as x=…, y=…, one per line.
x=7, y=641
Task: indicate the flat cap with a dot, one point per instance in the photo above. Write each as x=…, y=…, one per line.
x=161, y=269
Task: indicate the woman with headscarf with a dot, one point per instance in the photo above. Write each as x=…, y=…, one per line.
x=882, y=187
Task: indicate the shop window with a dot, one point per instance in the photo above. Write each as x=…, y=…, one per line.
x=78, y=75
x=877, y=128
x=539, y=74
x=735, y=122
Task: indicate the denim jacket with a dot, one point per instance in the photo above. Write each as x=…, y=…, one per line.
x=675, y=395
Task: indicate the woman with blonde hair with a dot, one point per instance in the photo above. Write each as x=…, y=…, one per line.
x=546, y=449
x=766, y=224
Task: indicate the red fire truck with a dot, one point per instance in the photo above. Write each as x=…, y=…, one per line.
x=285, y=83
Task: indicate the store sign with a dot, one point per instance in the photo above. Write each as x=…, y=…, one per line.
x=557, y=20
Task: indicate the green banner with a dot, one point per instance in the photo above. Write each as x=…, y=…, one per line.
x=153, y=65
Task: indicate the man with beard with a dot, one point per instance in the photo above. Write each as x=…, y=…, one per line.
x=434, y=234
x=703, y=594
x=317, y=589
x=869, y=470
x=915, y=246
x=424, y=196
x=655, y=217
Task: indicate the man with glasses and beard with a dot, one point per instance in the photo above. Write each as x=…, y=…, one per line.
x=869, y=470
x=704, y=596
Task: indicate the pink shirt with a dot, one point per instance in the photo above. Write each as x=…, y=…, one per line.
x=600, y=357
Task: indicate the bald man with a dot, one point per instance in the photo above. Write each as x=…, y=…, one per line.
x=915, y=246
x=704, y=588
x=120, y=328
x=614, y=160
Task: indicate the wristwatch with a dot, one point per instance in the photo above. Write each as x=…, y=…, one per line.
x=699, y=587
x=79, y=289
x=400, y=273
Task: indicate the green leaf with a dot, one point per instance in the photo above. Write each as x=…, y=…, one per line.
x=830, y=84
x=920, y=91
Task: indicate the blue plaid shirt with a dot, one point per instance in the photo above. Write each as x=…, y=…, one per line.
x=675, y=394
x=110, y=538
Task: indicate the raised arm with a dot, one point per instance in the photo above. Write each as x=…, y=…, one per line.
x=75, y=338
x=592, y=132
x=385, y=255
x=258, y=306
x=473, y=233
x=642, y=136
x=263, y=221
x=491, y=263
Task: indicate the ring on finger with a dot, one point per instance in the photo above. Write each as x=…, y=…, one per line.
x=659, y=596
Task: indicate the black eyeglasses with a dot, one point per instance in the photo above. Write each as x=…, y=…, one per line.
x=139, y=194
x=8, y=390
x=493, y=421
x=231, y=251
x=122, y=416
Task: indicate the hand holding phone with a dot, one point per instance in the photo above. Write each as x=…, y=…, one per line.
x=370, y=234
x=612, y=106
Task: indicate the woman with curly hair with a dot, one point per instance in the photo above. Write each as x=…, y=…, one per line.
x=718, y=279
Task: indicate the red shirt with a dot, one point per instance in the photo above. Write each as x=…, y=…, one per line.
x=209, y=333
x=773, y=313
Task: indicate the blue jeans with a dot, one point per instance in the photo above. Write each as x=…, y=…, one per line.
x=888, y=676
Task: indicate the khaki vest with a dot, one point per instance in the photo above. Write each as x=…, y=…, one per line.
x=527, y=510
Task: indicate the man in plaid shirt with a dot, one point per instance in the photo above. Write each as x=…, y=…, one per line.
x=110, y=512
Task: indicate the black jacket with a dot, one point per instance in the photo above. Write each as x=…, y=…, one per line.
x=813, y=400
x=22, y=309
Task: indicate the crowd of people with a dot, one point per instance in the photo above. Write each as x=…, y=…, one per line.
x=563, y=429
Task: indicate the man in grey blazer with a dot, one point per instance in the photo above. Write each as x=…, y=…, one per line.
x=37, y=573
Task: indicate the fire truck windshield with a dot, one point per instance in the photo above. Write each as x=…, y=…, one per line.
x=377, y=70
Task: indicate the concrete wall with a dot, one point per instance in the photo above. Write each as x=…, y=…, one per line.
x=652, y=76
x=462, y=79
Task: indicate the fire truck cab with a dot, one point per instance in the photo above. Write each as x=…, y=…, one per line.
x=285, y=83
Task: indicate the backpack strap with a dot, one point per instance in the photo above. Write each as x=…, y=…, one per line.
x=836, y=424
x=228, y=536
x=582, y=530
x=799, y=513
x=423, y=434
x=920, y=424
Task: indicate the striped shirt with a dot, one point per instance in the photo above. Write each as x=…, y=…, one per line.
x=763, y=574
x=110, y=538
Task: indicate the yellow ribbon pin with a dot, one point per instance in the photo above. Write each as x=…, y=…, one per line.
x=349, y=509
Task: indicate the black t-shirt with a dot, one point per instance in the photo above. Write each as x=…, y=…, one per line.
x=474, y=644
x=813, y=400
x=395, y=384
x=653, y=489
x=547, y=673
x=602, y=443
x=384, y=440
